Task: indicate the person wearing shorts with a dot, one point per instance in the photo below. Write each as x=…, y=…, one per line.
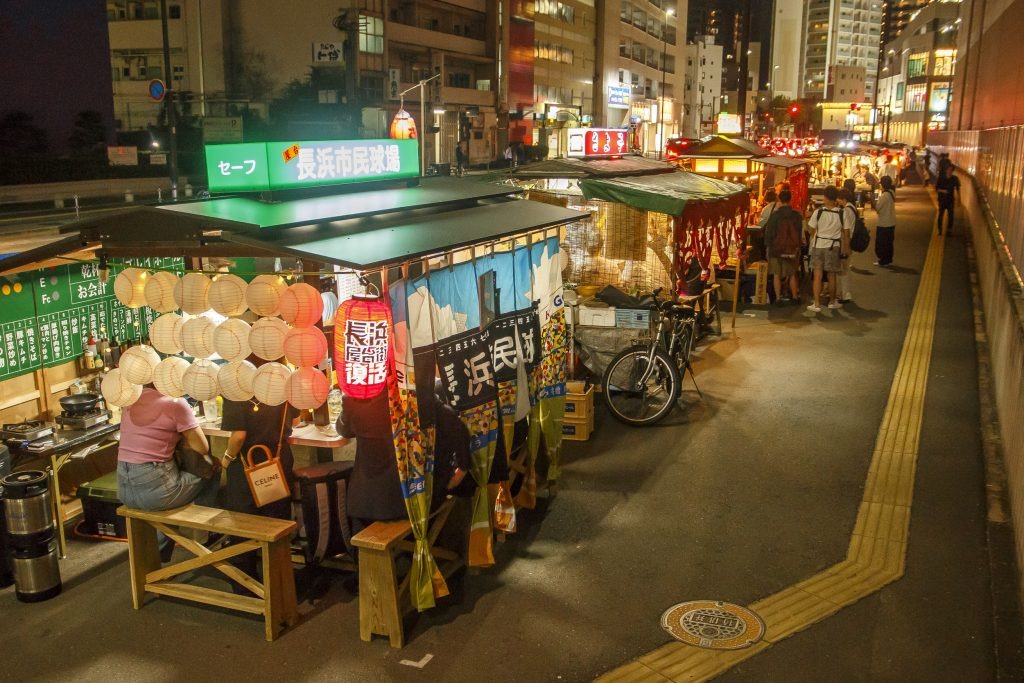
x=783, y=267
x=830, y=241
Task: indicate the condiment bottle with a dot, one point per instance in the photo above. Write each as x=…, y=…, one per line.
x=88, y=355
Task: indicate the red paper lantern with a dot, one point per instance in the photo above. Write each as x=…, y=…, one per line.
x=363, y=351
x=403, y=126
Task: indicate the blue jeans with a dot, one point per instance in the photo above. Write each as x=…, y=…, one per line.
x=162, y=486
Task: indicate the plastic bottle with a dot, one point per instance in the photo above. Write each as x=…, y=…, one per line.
x=88, y=355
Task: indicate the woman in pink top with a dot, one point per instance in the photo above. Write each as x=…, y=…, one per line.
x=148, y=477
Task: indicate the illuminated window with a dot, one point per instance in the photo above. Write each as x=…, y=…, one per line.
x=940, y=98
x=705, y=165
x=915, y=97
x=944, y=60
x=917, y=65
x=734, y=165
x=371, y=35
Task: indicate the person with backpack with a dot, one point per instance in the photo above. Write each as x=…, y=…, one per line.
x=885, y=230
x=829, y=241
x=783, y=236
x=846, y=201
x=947, y=188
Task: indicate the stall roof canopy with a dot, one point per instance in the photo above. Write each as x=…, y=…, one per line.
x=783, y=162
x=360, y=230
x=591, y=168
x=719, y=146
x=665, y=193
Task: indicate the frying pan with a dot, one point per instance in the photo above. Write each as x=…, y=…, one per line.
x=78, y=404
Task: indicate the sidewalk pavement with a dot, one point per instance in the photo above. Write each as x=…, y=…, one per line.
x=735, y=497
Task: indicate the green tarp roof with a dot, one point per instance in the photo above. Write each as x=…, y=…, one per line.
x=630, y=164
x=663, y=193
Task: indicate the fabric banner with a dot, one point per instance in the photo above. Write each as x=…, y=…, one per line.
x=414, y=448
x=709, y=228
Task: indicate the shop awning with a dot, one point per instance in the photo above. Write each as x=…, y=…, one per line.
x=721, y=147
x=782, y=162
x=591, y=168
x=666, y=193
x=361, y=230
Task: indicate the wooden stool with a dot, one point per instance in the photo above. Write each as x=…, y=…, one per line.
x=274, y=598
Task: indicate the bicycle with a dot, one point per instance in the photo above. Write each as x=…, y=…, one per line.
x=642, y=383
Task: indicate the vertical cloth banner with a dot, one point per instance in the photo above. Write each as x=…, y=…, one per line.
x=704, y=228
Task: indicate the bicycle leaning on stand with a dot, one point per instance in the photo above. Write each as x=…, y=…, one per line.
x=642, y=383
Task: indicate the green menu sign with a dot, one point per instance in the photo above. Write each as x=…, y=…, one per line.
x=261, y=166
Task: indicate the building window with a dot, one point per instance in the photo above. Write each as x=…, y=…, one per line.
x=915, y=97
x=179, y=71
x=372, y=88
x=371, y=35
x=917, y=65
x=944, y=61
x=327, y=96
x=940, y=98
x=174, y=11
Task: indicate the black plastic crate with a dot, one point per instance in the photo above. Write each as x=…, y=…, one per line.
x=99, y=506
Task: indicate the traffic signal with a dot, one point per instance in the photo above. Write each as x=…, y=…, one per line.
x=794, y=109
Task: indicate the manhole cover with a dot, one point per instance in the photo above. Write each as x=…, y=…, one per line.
x=713, y=625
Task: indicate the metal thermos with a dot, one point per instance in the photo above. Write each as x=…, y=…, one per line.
x=6, y=576
x=28, y=508
x=36, y=572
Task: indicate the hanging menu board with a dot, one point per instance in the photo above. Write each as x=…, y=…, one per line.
x=46, y=315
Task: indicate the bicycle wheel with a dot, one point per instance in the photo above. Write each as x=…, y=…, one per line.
x=637, y=400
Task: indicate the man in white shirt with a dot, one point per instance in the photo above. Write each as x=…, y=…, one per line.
x=830, y=240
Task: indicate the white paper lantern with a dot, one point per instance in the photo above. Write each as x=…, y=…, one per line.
x=304, y=347
x=130, y=287
x=231, y=339
x=307, y=388
x=165, y=333
x=200, y=380
x=137, y=364
x=267, y=338
x=227, y=295
x=269, y=385
x=159, y=291
x=263, y=295
x=301, y=305
x=192, y=293
x=197, y=337
x=168, y=376
x=236, y=380
x=119, y=392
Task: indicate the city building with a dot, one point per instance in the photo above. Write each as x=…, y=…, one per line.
x=785, y=74
x=896, y=14
x=840, y=32
x=703, y=18
x=702, y=87
x=731, y=69
x=917, y=76
x=640, y=47
x=846, y=83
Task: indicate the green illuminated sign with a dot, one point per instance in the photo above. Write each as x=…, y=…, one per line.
x=259, y=166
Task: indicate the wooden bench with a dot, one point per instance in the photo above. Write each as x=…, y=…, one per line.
x=274, y=598
x=383, y=600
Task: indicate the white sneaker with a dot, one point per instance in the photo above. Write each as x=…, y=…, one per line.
x=815, y=308
x=835, y=304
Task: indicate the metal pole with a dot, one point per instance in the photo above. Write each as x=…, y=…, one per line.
x=169, y=106
x=664, y=64
x=423, y=130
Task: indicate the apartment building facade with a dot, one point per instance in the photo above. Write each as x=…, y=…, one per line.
x=840, y=32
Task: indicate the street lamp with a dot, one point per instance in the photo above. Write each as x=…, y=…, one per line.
x=423, y=115
x=664, y=63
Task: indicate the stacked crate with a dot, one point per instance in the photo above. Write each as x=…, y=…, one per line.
x=579, y=411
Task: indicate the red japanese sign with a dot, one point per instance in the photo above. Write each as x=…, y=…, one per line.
x=605, y=141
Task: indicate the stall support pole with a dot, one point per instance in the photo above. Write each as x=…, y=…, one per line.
x=736, y=287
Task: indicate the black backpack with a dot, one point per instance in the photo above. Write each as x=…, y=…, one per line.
x=860, y=238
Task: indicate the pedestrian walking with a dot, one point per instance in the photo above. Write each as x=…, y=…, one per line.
x=847, y=203
x=830, y=239
x=947, y=191
x=885, y=230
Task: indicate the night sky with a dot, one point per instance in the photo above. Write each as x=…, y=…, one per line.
x=55, y=62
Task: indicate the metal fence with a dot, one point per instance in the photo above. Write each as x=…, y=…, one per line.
x=995, y=157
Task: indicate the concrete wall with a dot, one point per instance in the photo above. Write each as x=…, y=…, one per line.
x=989, y=83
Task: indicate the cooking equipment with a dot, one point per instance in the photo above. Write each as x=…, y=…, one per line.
x=79, y=404
x=25, y=431
x=83, y=420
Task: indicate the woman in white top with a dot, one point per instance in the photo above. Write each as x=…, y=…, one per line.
x=885, y=231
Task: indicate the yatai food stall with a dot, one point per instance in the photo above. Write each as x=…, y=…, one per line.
x=462, y=270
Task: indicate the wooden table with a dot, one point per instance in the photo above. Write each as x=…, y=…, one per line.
x=321, y=438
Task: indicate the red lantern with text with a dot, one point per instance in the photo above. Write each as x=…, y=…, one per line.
x=363, y=353
x=403, y=126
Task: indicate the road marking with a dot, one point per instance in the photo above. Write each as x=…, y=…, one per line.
x=877, y=552
x=420, y=664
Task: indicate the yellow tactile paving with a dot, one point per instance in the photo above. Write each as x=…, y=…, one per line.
x=878, y=545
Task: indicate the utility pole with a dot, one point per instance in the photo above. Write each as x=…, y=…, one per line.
x=170, y=107
x=744, y=65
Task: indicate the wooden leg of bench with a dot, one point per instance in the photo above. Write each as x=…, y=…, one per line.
x=143, y=557
x=378, y=597
x=279, y=587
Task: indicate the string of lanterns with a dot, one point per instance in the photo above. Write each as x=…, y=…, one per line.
x=284, y=331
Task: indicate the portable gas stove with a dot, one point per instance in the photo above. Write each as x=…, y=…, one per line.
x=83, y=420
x=25, y=431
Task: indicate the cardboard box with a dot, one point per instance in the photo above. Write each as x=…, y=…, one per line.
x=576, y=386
x=633, y=318
x=579, y=405
x=597, y=317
